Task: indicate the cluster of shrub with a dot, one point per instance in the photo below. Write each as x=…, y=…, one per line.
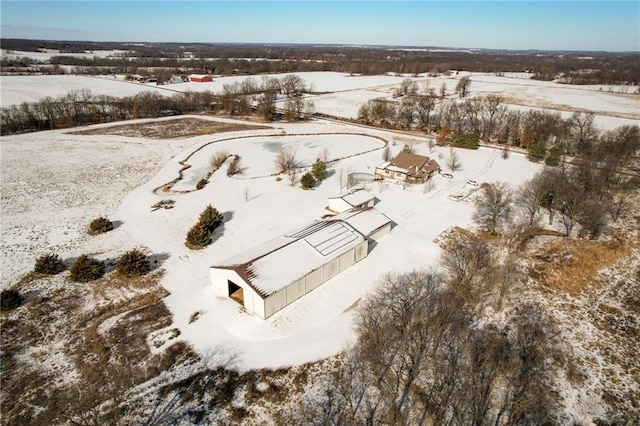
x=199, y=236
x=85, y=268
x=318, y=173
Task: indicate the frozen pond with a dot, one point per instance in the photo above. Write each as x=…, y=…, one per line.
x=257, y=154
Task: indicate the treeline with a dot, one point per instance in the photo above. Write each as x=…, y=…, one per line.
x=234, y=59
x=81, y=107
x=546, y=135
x=271, y=98
x=423, y=356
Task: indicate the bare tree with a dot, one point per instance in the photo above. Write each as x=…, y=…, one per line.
x=424, y=105
x=293, y=174
x=246, y=194
x=443, y=90
x=218, y=159
x=341, y=177
x=494, y=207
x=462, y=88
x=408, y=87
x=453, y=163
x=324, y=156
x=292, y=85
x=286, y=159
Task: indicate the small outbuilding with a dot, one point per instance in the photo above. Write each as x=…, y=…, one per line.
x=200, y=78
x=410, y=168
x=352, y=199
x=275, y=274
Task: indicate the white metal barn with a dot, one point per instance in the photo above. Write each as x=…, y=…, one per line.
x=353, y=199
x=273, y=275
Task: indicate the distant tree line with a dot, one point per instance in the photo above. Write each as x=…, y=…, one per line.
x=245, y=59
x=271, y=98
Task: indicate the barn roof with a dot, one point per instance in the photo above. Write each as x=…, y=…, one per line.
x=273, y=265
x=357, y=197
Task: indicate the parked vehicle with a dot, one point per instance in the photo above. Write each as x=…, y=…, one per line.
x=472, y=182
x=446, y=175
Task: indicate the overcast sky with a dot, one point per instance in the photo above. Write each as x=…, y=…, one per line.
x=547, y=25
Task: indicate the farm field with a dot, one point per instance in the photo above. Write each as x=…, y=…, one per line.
x=341, y=95
x=87, y=176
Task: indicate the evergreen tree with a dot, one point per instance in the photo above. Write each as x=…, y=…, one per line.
x=86, y=269
x=553, y=159
x=133, y=263
x=210, y=218
x=319, y=170
x=198, y=237
x=49, y=264
x=536, y=152
x=100, y=226
x=10, y=299
x=307, y=181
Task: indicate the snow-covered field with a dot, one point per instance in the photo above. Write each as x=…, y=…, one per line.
x=342, y=94
x=15, y=90
x=47, y=54
x=48, y=200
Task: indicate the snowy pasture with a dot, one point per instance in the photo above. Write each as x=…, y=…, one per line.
x=342, y=94
x=57, y=182
x=15, y=90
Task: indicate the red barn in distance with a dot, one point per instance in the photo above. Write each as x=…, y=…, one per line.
x=200, y=78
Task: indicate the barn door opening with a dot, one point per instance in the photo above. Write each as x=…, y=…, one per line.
x=235, y=292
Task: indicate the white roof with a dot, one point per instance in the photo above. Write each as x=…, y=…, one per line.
x=198, y=75
x=277, y=263
x=270, y=267
x=364, y=220
x=357, y=198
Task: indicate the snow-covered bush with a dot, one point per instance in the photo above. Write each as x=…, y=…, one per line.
x=307, y=181
x=133, y=263
x=49, y=264
x=10, y=299
x=199, y=236
x=86, y=269
x=100, y=226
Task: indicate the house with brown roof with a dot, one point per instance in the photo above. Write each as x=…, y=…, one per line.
x=278, y=272
x=410, y=168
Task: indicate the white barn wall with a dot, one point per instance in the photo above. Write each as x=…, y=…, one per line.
x=314, y=279
x=331, y=269
x=275, y=302
x=295, y=291
x=380, y=232
x=361, y=251
x=253, y=303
